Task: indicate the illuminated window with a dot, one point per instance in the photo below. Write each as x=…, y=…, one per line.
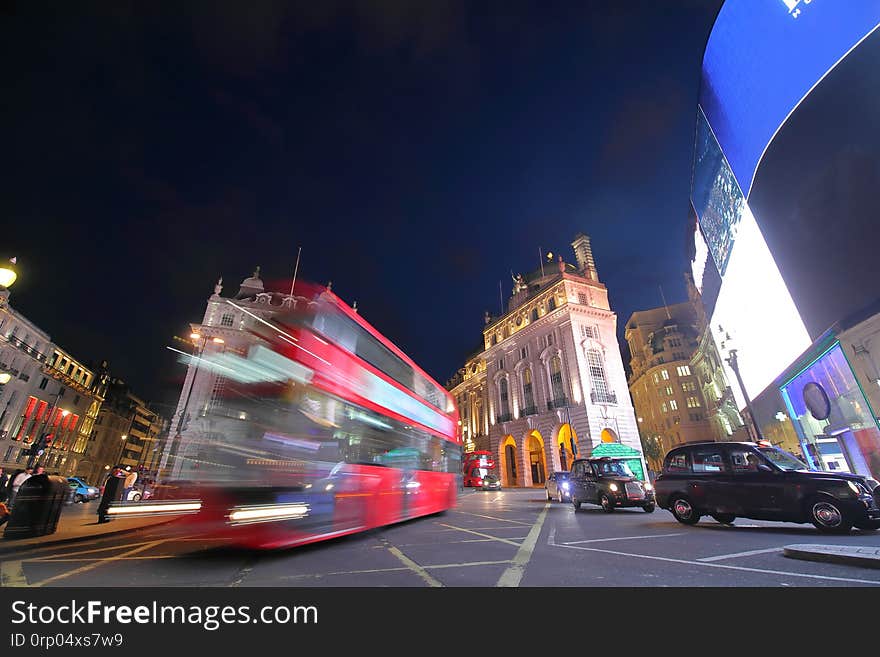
x=664, y=374
x=688, y=386
x=693, y=402
x=684, y=370
x=664, y=408
x=673, y=404
x=669, y=391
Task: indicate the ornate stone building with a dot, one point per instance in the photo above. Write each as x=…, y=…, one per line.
x=223, y=334
x=549, y=384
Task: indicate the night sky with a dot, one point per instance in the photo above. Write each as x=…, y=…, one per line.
x=416, y=151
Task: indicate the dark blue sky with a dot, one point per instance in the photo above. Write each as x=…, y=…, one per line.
x=417, y=152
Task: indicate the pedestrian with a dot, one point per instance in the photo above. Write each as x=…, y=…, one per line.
x=40, y=470
x=130, y=480
x=20, y=478
x=4, y=513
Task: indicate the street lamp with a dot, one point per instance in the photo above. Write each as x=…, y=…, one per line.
x=734, y=365
x=7, y=278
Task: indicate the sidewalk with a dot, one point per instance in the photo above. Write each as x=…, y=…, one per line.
x=79, y=523
x=866, y=557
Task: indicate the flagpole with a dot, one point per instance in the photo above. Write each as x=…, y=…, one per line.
x=298, y=251
x=500, y=297
x=541, y=260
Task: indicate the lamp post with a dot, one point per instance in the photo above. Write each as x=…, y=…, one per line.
x=734, y=365
x=7, y=278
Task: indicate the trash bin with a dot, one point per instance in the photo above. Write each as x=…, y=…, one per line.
x=37, y=507
x=112, y=493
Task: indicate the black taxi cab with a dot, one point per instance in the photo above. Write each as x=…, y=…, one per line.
x=757, y=480
x=610, y=483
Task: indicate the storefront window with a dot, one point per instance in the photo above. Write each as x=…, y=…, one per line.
x=834, y=422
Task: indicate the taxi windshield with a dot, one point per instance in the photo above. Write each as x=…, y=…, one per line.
x=615, y=468
x=782, y=459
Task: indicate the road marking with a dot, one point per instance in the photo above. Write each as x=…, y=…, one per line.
x=487, y=536
x=389, y=570
x=421, y=572
x=718, y=565
x=514, y=574
x=620, y=538
x=11, y=574
x=92, y=566
x=740, y=554
x=479, y=515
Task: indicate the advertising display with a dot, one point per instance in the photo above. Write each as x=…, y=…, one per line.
x=786, y=153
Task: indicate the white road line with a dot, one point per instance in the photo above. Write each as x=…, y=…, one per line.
x=621, y=538
x=518, y=522
x=412, y=565
x=390, y=570
x=91, y=566
x=740, y=554
x=513, y=575
x=718, y=565
x=494, y=538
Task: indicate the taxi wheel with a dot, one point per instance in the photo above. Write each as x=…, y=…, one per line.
x=684, y=511
x=724, y=518
x=828, y=517
x=78, y=498
x=649, y=508
x=549, y=499
x=607, y=504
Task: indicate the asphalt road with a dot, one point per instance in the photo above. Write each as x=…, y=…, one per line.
x=493, y=539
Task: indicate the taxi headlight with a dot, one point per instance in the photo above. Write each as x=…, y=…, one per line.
x=565, y=485
x=613, y=487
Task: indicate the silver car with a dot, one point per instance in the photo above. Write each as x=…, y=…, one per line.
x=557, y=487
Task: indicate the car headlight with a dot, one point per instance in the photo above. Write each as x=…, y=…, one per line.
x=854, y=488
x=565, y=485
x=613, y=487
x=647, y=486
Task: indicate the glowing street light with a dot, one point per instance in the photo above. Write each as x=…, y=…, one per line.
x=5, y=378
x=7, y=274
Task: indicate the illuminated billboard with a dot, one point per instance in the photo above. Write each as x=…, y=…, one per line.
x=786, y=167
x=763, y=57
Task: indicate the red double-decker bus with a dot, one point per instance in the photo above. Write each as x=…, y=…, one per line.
x=323, y=428
x=476, y=465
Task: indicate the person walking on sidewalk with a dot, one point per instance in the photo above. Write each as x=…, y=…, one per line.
x=4, y=485
x=19, y=479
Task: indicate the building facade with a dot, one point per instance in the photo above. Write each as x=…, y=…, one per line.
x=126, y=433
x=666, y=392
x=549, y=384
x=47, y=392
x=471, y=394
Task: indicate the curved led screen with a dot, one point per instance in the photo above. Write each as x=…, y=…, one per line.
x=763, y=57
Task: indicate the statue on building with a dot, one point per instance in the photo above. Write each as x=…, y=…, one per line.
x=519, y=283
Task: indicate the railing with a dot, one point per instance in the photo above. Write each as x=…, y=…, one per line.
x=559, y=402
x=504, y=417
x=603, y=397
x=528, y=410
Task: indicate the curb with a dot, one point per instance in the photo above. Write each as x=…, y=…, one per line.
x=834, y=554
x=11, y=547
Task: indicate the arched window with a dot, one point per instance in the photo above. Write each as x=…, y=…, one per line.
x=528, y=395
x=556, y=382
x=534, y=315
x=551, y=303
x=504, y=407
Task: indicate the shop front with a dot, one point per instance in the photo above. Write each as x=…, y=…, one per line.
x=835, y=424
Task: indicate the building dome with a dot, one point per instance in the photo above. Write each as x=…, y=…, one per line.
x=250, y=287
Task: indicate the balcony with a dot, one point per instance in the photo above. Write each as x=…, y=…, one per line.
x=505, y=417
x=528, y=410
x=603, y=397
x=559, y=402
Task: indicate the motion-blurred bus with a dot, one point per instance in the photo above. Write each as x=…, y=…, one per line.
x=323, y=428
